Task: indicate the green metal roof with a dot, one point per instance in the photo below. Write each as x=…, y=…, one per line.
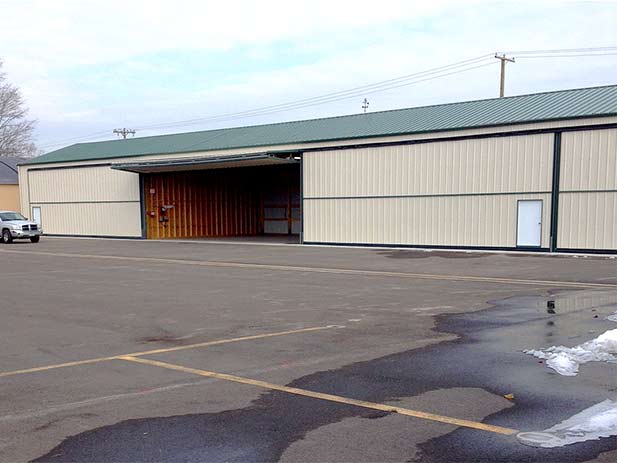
x=537, y=107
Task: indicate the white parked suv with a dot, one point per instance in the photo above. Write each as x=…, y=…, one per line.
x=15, y=226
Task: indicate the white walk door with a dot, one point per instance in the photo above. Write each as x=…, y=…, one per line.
x=529, y=226
x=36, y=215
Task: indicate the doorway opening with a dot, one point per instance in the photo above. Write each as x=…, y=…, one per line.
x=232, y=202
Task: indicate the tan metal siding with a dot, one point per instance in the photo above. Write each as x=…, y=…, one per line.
x=587, y=220
x=587, y=212
x=492, y=165
x=487, y=221
x=9, y=198
x=23, y=189
x=589, y=160
x=450, y=193
x=83, y=184
x=94, y=219
x=86, y=201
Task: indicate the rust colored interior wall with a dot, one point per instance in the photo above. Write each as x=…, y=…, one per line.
x=212, y=203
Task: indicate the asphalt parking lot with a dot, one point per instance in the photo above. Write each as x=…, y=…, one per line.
x=174, y=351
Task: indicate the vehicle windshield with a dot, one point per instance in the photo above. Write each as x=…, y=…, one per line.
x=11, y=216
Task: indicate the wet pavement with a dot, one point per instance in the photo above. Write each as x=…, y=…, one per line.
x=488, y=356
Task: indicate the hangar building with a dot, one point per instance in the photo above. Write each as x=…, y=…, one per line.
x=534, y=172
x=9, y=189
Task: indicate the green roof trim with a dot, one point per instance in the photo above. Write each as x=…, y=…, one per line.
x=536, y=107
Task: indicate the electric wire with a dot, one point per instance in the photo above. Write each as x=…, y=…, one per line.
x=322, y=100
x=381, y=86
x=561, y=50
x=454, y=68
x=565, y=56
x=328, y=96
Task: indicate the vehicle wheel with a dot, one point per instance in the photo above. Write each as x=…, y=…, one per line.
x=6, y=236
x=35, y=239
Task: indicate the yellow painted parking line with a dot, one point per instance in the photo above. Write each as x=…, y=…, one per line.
x=4, y=374
x=338, y=271
x=165, y=350
x=225, y=341
x=328, y=397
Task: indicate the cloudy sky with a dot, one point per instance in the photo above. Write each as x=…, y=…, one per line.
x=86, y=67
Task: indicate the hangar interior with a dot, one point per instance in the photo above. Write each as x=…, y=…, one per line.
x=248, y=196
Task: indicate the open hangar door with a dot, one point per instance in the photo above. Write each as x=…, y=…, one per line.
x=229, y=196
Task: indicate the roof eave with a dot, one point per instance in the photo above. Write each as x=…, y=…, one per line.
x=358, y=137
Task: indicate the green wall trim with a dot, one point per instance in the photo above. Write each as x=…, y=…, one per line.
x=555, y=192
x=437, y=195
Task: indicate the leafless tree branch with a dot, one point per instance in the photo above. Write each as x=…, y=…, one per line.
x=16, y=131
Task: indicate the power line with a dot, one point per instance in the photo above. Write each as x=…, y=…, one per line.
x=561, y=50
x=566, y=55
x=397, y=86
x=382, y=86
x=328, y=96
x=306, y=102
x=80, y=137
x=293, y=106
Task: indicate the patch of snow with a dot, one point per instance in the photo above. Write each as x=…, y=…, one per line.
x=612, y=318
x=566, y=360
x=590, y=424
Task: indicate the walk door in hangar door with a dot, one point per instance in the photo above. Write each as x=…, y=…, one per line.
x=529, y=223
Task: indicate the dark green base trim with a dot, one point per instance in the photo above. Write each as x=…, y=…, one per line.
x=426, y=246
x=587, y=251
x=59, y=235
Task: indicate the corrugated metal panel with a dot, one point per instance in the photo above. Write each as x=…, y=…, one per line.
x=83, y=184
x=589, y=160
x=202, y=204
x=588, y=220
x=103, y=219
x=560, y=105
x=430, y=221
x=492, y=165
x=23, y=189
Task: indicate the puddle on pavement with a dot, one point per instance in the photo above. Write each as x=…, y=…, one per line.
x=488, y=355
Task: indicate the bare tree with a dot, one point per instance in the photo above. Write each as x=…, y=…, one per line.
x=16, y=131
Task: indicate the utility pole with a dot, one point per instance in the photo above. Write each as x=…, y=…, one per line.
x=124, y=132
x=365, y=104
x=502, y=82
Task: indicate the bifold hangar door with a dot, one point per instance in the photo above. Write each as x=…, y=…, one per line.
x=587, y=208
x=460, y=193
x=89, y=200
